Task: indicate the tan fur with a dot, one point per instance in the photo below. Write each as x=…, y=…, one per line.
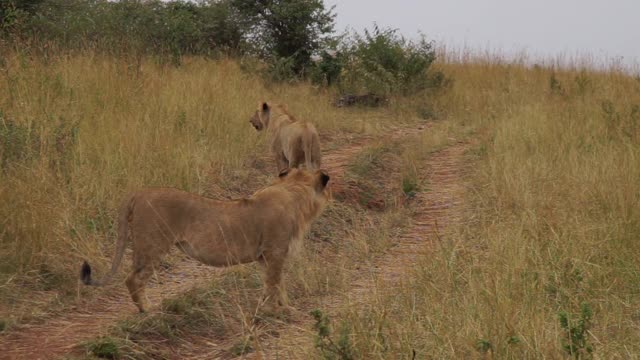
x=293, y=142
x=260, y=228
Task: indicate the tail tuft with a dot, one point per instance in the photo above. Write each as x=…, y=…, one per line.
x=85, y=273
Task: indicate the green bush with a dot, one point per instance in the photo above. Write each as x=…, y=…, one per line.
x=283, y=34
x=280, y=70
x=172, y=28
x=105, y=348
x=330, y=349
x=577, y=332
x=383, y=62
x=327, y=69
x=276, y=31
x=13, y=13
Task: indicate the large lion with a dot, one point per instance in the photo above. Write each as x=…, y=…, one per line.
x=293, y=142
x=263, y=228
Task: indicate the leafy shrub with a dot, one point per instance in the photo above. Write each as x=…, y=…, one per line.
x=327, y=68
x=278, y=31
x=13, y=13
x=383, y=62
x=130, y=27
x=280, y=70
x=105, y=347
x=342, y=348
x=577, y=343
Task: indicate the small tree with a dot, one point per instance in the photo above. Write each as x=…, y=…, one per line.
x=290, y=29
x=384, y=62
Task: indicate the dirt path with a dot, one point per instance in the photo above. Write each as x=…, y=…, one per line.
x=435, y=210
x=60, y=334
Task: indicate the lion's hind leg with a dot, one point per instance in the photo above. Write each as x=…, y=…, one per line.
x=282, y=162
x=136, y=283
x=297, y=160
x=144, y=263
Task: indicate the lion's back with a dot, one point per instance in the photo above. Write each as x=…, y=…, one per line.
x=168, y=210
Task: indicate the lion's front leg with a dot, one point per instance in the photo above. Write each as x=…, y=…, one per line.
x=282, y=162
x=273, y=286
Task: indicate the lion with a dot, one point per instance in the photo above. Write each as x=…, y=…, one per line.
x=293, y=142
x=264, y=227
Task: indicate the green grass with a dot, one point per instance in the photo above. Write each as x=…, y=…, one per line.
x=105, y=348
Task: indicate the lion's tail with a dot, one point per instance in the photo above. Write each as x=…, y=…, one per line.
x=311, y=145
x=123, y=234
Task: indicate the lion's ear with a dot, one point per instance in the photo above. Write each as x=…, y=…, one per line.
x=265, y=107
x=283, y=173
x=324, y=178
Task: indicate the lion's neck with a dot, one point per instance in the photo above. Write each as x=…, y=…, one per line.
x=278, y=120
x=302, y=203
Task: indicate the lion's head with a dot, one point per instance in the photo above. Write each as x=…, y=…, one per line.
x=260, y=118
x=314, y=179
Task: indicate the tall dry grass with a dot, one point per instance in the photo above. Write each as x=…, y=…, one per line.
x=550, y=229
x=79, y=132
x=547, y=261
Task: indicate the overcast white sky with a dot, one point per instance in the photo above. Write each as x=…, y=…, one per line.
x=602, y=28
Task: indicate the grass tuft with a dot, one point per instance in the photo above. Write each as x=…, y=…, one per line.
x=105, y=348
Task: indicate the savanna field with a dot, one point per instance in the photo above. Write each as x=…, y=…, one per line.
x=542, y=260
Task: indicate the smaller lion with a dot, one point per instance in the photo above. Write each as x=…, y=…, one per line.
x=293, y=142
x=265, y=228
